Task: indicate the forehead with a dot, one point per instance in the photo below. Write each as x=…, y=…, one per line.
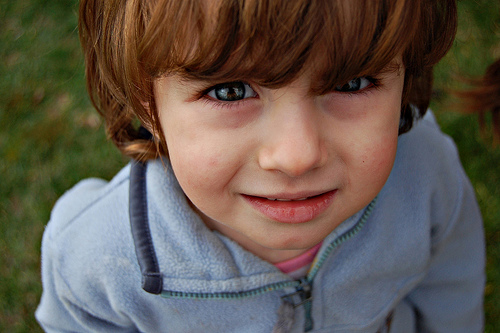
x=273, y=41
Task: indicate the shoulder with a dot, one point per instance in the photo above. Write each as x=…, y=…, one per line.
x=428, y=158
x=428, y=181
x=427, y=148
x=93, y=210
x=88, y=239
x=85, y=198
x=90, y=270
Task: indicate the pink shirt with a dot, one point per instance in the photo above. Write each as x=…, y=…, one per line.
x=297, y=267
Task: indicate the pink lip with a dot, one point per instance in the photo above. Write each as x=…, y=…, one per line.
x=297, y=211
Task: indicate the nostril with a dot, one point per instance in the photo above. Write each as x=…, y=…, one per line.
x=293, y=158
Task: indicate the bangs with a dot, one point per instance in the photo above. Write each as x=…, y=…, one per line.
x=271, y=42
x=127, y=44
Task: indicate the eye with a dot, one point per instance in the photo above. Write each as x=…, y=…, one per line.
x=231, y=91
x=354, y=85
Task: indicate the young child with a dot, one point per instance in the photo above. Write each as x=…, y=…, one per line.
x=285, y=177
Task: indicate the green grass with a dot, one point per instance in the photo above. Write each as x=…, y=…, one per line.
x=50, y=138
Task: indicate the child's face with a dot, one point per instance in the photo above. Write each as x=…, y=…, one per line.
x=236, y=147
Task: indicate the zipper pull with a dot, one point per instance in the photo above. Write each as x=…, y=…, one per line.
x=304, y=291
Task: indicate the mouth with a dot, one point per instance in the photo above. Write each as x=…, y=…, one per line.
x=287, y=200
x=292, y=208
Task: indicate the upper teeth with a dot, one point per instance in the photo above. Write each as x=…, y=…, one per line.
x=275, y=199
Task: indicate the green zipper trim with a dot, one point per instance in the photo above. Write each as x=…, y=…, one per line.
x=344, y=237
x=230, y=295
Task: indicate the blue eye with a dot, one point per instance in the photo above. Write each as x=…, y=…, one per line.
x=232, y=91
x=354, y=85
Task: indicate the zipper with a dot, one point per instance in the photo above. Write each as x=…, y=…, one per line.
x=306, y=284
x=303, y=286
x=341, y=239
x=304, y=291
x=230, y=295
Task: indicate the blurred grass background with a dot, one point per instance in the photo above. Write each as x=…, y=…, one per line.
x=50, y=137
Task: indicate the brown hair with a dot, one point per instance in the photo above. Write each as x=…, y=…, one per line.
x=130, y=43
x=485, y=97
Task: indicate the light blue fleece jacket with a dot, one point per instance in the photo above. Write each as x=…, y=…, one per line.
x=412, y=261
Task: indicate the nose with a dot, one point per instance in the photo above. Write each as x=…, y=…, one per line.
x=293, y=143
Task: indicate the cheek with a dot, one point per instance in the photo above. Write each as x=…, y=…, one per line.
x=380, y=158
x=203, y=165
x=376, y=164
x=372, y=151
x=195, y=165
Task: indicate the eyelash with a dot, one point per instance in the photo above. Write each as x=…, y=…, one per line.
x=375, y=83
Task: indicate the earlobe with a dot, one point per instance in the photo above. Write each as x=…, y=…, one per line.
x=153, y=133
x=144, y=133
